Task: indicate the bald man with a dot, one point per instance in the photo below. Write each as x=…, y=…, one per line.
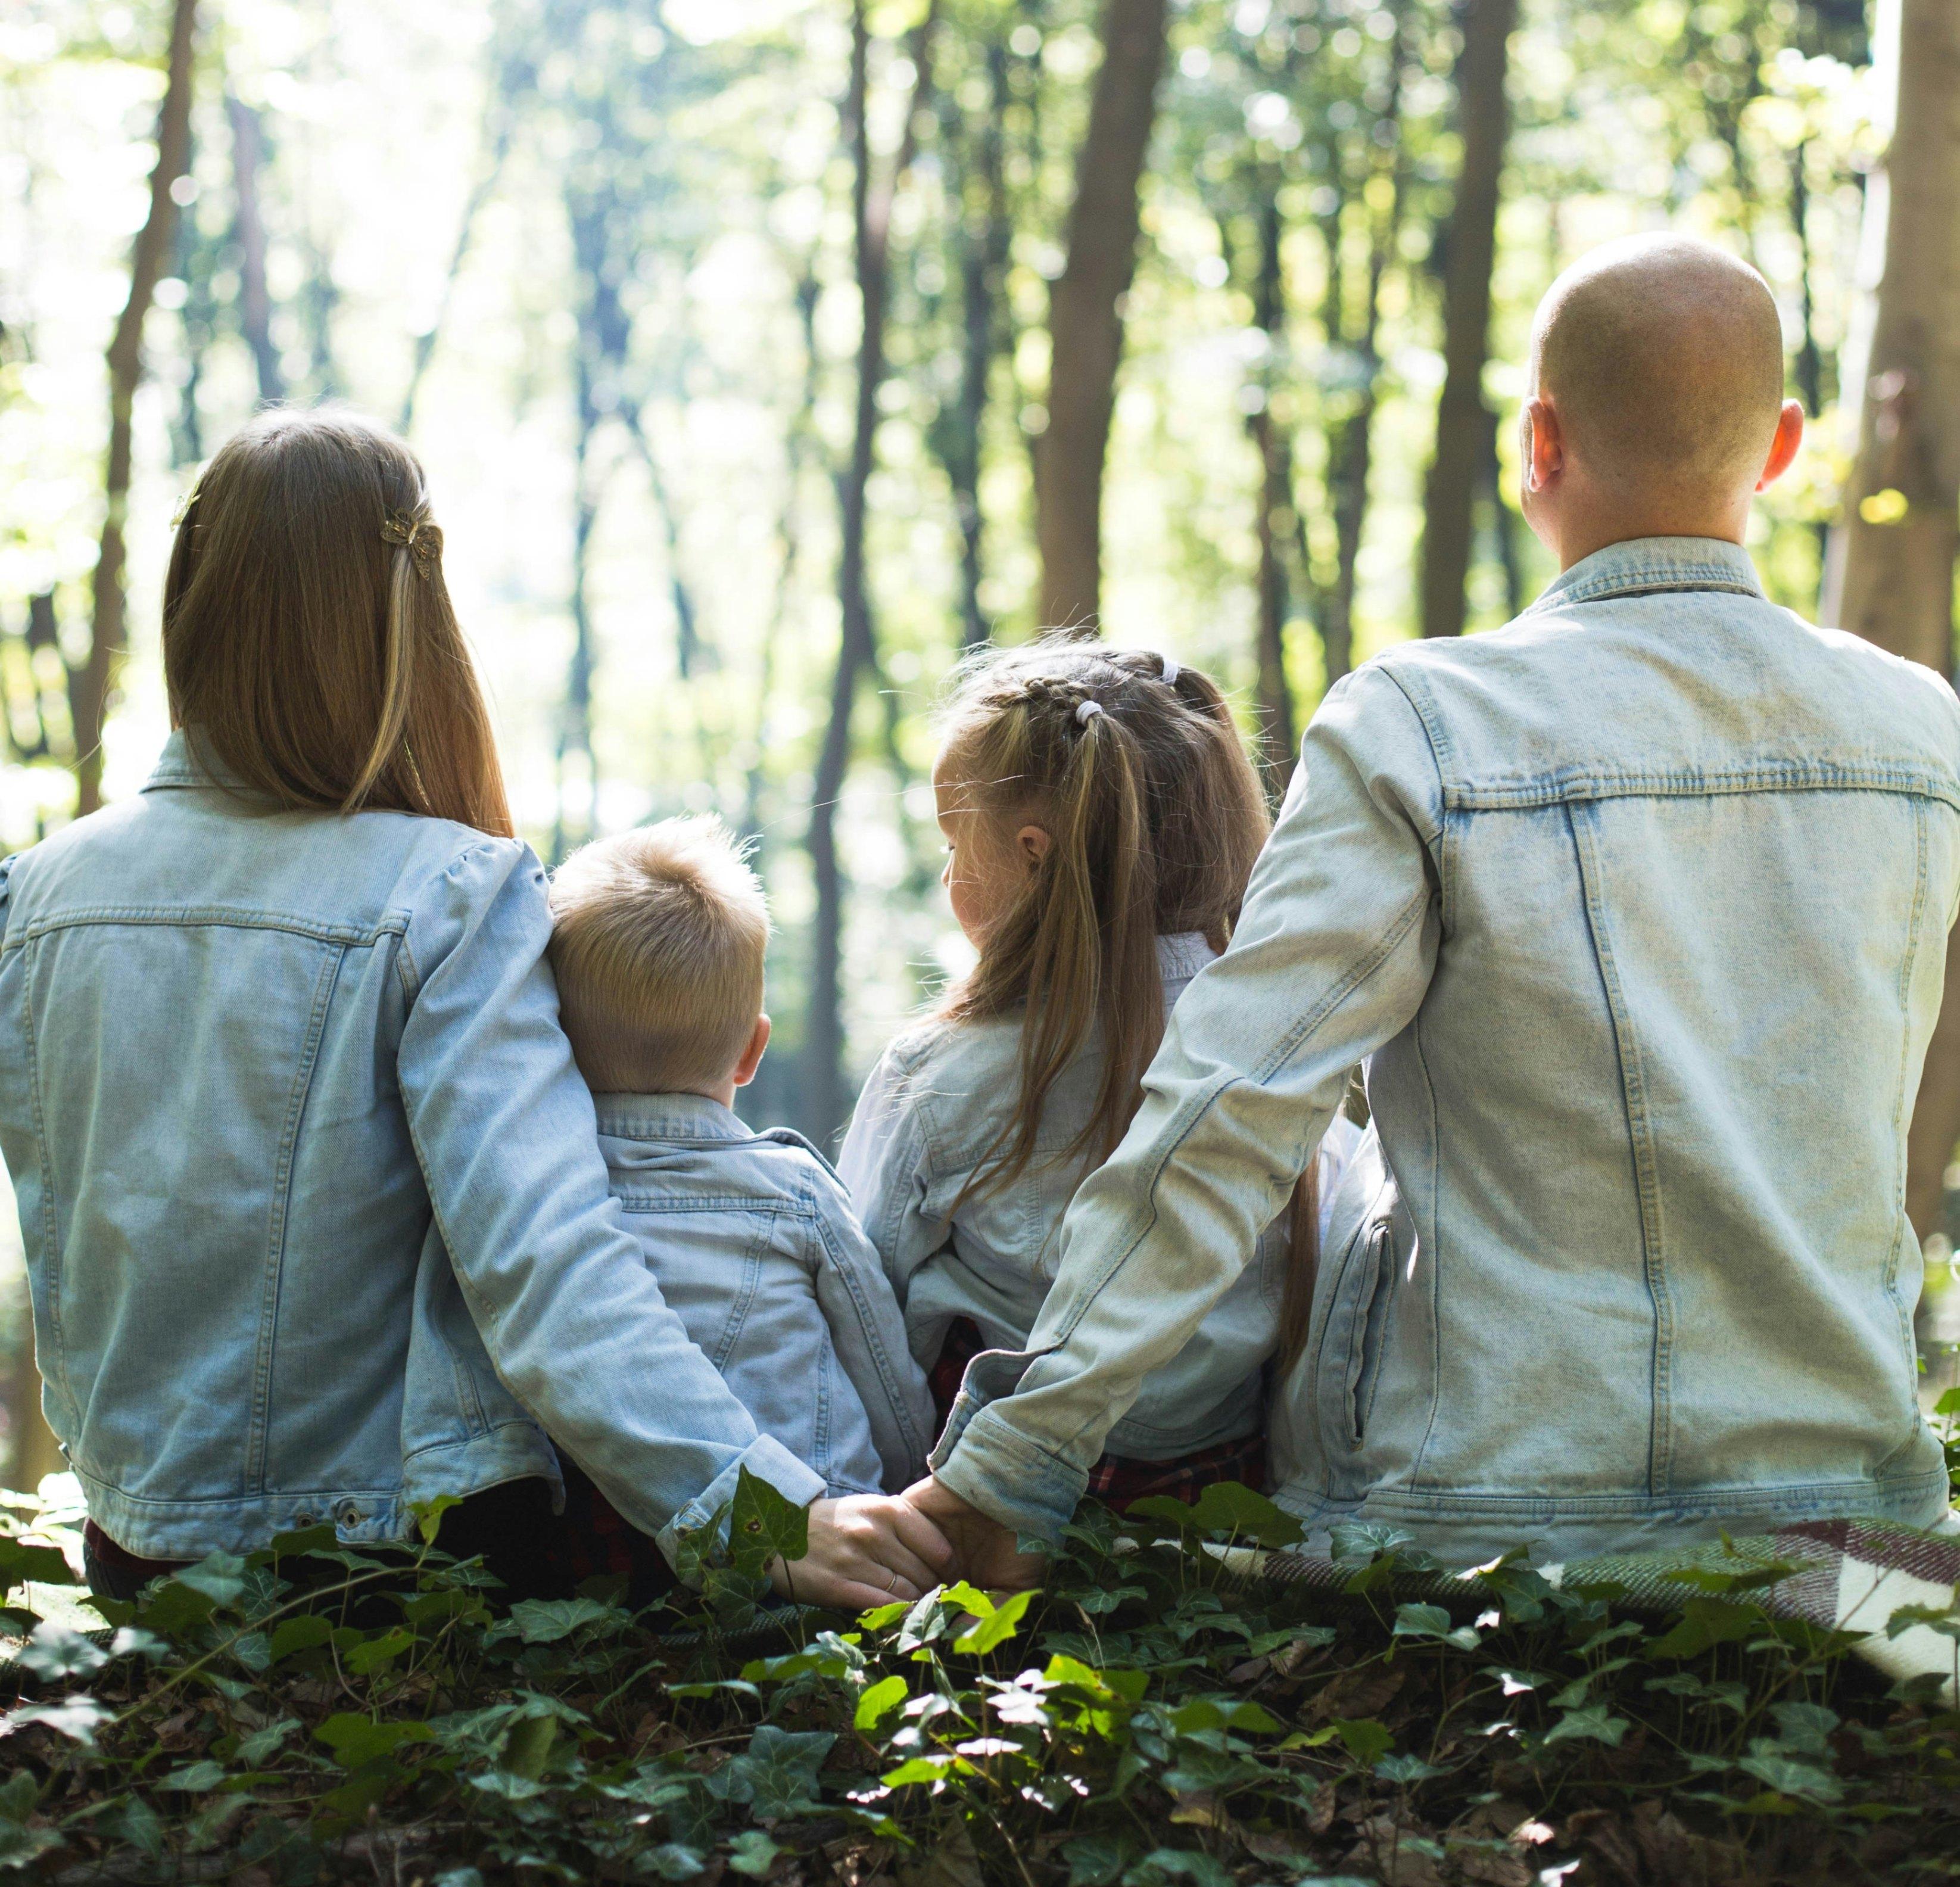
x=1636, y=910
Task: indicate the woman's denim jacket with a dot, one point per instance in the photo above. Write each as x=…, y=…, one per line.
x=315, y=1222
x=758, y=1252
x=1641, y=906
x=930, y=1117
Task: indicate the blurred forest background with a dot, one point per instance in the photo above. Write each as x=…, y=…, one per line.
x=765, y=355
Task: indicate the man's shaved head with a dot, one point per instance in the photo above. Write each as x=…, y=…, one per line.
x=1663, y=357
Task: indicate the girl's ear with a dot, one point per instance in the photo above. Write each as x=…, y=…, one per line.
x=1033, y=842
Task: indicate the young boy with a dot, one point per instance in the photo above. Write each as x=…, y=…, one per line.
x=657, y=942
x=1640, y=907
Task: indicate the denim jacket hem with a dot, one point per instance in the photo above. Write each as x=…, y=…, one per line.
x=767, y=1459
x=1471, y=1529
x=189, y=1529
x=510, y=1451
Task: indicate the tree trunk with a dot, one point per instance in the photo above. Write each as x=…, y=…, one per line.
x=91, y=684
x=1892, y=551
x=1461, y=418
x=1086, y=311
x=857, y=652
x=1278, y=733
x=255, y=301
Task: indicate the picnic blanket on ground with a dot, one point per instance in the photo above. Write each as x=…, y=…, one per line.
x=1852, y=1575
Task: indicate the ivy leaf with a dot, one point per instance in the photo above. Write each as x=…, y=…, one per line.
x=18, y=1795
x=527, y=1746
x=299, y=1634
x=1367, y=1741
x=673, y=1862
x=428, y=1515
x=764, y=1526
x=1163, y=1864
x=78, y=1718
x=267, y=1741
x=776, y=1775
x=995, y=1630
x=194, y=1778
x=752, y=1853
x=546, y=1621
x=377, y=1653
x=54, y=1652
x=878, y=1700
x=21, y=1847
x=219, y=1576
x=1594, y=1723
x=1789, y=1775
x=1705, y=1622
x=1404, y=1769
x=1806, y=1728
x=24, y=1564
x=1097, y=1860
x=354, y=1739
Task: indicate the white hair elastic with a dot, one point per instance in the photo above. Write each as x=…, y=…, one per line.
x=1171, y=671
x=1087, y=711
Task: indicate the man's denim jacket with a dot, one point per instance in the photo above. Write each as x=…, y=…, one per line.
x=315, y=1221
x=757, y=1251
x=1641, y=906
x=930, y=1119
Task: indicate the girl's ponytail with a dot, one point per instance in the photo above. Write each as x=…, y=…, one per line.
x=1133, y=767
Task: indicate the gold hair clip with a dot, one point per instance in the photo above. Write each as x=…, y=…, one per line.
x=420, y=538
x=183, y=508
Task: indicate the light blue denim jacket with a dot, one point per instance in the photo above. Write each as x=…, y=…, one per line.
x=929, y=1117
x=315, y=1218
x=757, y=1251
x=1641, y=906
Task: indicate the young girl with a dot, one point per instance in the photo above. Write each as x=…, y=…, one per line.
x=1101, y=820
x=316, y=1226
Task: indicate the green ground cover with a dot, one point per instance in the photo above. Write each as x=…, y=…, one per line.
x=1152, y=1719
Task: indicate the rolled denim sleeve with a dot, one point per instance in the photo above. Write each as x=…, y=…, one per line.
x=504, y=1128
x=1333, y=953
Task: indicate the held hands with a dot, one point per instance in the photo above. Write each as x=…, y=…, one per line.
x=986, y=1552
x=866, y=1550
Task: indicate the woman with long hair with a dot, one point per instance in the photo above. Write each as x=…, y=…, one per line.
x=317, y=1226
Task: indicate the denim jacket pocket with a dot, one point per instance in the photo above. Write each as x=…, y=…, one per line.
x=1351, y=1343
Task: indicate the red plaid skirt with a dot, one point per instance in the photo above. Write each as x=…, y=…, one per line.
x=1116, y=1480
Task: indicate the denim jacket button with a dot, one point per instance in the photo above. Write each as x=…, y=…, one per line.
x=348, y=1512
x=305, y=1517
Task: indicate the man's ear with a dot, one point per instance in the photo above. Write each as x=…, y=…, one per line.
x=1542, y=443
x=1034, y=842
x=751, y=1056
x=1783, y=447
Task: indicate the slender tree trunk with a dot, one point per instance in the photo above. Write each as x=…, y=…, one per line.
x=1086, y=311
x=857, y=653
x=91, y=683
x=1809, y=355
x=255, y=301
x=574, y=735
x=1278, y=734
x=1462, y=417
x=1892, y=551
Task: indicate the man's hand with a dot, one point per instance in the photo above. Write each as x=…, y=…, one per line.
x=865, y=1550
x=987, y=1552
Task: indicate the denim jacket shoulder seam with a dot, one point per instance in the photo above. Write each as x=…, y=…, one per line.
x=219, y=917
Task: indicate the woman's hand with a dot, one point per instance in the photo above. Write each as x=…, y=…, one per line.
x=865, y=1550
x=989, y=1555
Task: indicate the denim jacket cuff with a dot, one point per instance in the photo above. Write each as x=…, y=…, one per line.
x=990, y=1465
x=767, y=1459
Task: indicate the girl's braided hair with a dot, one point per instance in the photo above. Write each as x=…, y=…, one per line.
x=1134, y=767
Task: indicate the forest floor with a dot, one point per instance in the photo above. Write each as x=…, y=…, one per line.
x=1151, y=1719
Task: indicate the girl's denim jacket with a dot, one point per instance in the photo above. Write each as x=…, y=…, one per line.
x=315, y=1222
x=930, y=1114
x=1640, y=907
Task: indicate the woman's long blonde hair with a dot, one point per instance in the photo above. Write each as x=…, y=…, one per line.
x=309, y=642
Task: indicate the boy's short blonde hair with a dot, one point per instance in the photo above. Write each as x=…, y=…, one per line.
x=658, y=938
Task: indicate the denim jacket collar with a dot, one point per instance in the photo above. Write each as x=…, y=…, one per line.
x=667, y=1117
x=181, y=765
x=1642, y=564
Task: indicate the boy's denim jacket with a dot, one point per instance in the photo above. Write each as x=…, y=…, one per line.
x=315, y=1218
x=757, y=1251
x=1641, y=906
x=930, y=1117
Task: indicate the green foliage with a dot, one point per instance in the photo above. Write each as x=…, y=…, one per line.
x=313, y=1713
